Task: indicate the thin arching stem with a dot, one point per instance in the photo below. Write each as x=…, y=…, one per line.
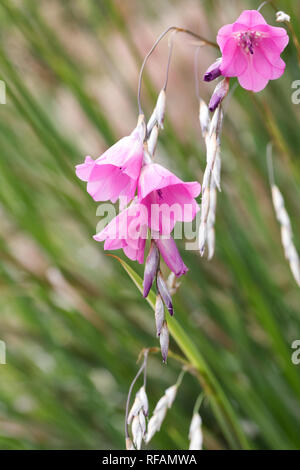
x=171, y=45
x=263, y=4
x=141, y=369
x=180, y=377
x=145, y=368
x=162, y=35
x=198, y=403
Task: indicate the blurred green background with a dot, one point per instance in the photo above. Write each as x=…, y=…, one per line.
x=72, y=320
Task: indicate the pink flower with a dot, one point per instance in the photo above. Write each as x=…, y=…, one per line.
x=171, y=255
x=127, y=231
x=167, y=198
x=251, y=50
x=116, y=172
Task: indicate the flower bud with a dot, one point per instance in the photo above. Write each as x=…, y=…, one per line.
x=213, y=71
x=281, y=17
x=152, y=141
x=164, y=341
x=137, y=405
x=195, y=433
x=137, y=432
x=143, y=399
x=151, y=267
x=219, y=94
x=158, y=114
x=160, y=108
x=159, y=314
x=170, y=393
x=153, y=427
x=165, y=294
x=142, y=421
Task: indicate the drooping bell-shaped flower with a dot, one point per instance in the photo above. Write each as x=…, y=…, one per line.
x=127, y=231
x=116, y=172
x=167, y=198
x=251, y=50
x=169, y=251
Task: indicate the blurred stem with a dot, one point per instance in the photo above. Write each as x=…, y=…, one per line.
x=276, y=134
x=198, y=403
x=270, y=164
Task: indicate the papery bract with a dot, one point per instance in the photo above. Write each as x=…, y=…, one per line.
x=167, y=198
x=116, y=172
x=163, y=290
x=251, y=50
x=128, y=230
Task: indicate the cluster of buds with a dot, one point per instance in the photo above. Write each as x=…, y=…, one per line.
x=138, y=414
x=137, y=419
x=284, y=221
x=160, y=411
x=286, y=233
x=211, y=132
x=222, y=88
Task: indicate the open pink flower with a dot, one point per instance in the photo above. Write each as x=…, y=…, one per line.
x=251, y=50
x=127, y=231
x=167, y=198
x=116, y=172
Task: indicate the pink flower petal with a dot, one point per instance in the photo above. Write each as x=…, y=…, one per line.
x=83, y=170
x=128, y=230
x=234, y=61
x=110, y=185
x=167, y=198
x=239, y=27
x=224, y=34
x=251, y=18
x=251, y=79
x=155, y=176
x=261, y=63
x=267, y=64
